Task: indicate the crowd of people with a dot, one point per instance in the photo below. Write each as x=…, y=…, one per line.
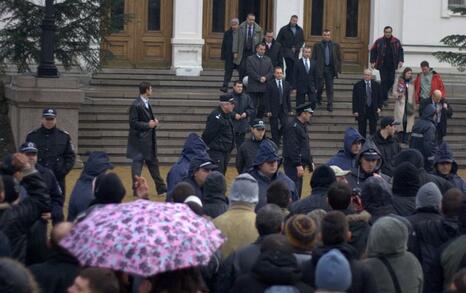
x=387, y=213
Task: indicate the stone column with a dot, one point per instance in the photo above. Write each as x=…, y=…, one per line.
x=187, y=39
x=284, y=9
x=28, y=95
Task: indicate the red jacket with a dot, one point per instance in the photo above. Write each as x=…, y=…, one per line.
x=437, y=84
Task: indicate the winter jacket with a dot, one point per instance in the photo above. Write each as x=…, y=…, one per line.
x=82, y=193
x=57, y=197
x=359, y=227
x=436, y=84
x=215, y=202
x=5, y=247
x=243, y=104
x=273, y=269
x=344, y=158
x=317, y=200
x=246, y=154
x=444, y=154
x=387, y=239
x=17, y=220
x=219, y=133
x=265, y=181
x=376, y=196
x=362, y=278
x=406, y=183
x=401, y=90
x=193, y=147
x=423, y=137
x=57, y=273
x=379, y=49
x=389, y=148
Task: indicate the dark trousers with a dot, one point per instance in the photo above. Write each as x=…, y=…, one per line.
x=290, y=63
x=327, y=77
x=423, y=103
x=153, y=166
x=291, y=172
x=277, y=125
x=220, y=159
x=439, y=135
x=259, y=104
x=229, y=67
x=362, y=123
x=242, y=66
x=387, y=78
x=301, y=98
x=239, y=139
x=61, y=182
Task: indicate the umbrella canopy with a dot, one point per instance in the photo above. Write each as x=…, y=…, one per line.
x=143, y=238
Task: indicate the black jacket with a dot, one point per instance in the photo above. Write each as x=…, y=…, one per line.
x=272, y=98
x=272, y=268
x=423, y=137
x=360, y=98
x=246, y=154
x=288, y=40
x=362, y=279
x=305, y=82
x=274, y=53
x=55, y=150
x=142, y=142
x=296, y=148
x=404, y=205
x=445, y=154
x=214, y=202
x=445, y=114
x=17, y=220
x=57, y=197
x=317, y=200
x=388, y=148
x=359, y=227
x=318, y=54
x=243, y=104
x=219, y=133
x=226, y=52
x=57, y=273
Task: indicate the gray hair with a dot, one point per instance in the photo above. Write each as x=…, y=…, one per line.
x=234, y=20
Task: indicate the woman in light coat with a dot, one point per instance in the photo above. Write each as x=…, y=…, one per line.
x=403, y=93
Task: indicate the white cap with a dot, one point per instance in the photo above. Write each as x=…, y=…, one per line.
x=194, y=199
x=339, y=172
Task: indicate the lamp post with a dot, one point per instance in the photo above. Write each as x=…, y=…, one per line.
x=47, y=66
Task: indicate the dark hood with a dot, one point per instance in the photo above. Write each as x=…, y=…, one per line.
x=277, y=267
x=96, y=164
x=412, y=156
x=214, y=186
x=376, y=197
x=268, y=151
x=194, y=147
x=428, y=112
x=351, y=135
x=369, y=146
x=406, y=180
x=388, y=236
x=322, y=177
x=444, y=154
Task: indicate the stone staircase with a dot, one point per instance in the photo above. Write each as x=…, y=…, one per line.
x=183, y=103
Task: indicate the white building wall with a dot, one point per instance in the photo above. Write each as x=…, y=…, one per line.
x=284, y=9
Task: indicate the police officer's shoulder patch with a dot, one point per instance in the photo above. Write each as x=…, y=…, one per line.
x=295, y=124
x=64, y=131
x=217, y=116
x=34, y=130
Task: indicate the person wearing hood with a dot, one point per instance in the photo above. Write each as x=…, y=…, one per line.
x=414, y=157
x=393, y=267
x=82, y=194
x=446, y=167
x=333, y=273
x=352, y=144
x=387, y=143
x=60, y=268
x=276, y=270
x=423, y=137
x=335, y=234
x=428, y=205
x=322, y=178
x=296, y=147
x=376, y=196
x=265, y=171
x=199, y=169
x=368, y=163
x=193, y=147
x=215, y=202
x=248, y=150
x=406, y=183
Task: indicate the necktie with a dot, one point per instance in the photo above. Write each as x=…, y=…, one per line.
x=280, y=90
x=250, y=32
x=368, y=93
x=306, y=63
x=327, y=54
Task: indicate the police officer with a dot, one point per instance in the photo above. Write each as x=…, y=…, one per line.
x=296, y=149
x=219, y=134
x=55, y=149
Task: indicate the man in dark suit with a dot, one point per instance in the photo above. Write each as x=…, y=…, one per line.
x=278, y=104
x=244, y=110
x=305, y=75
x=260, y=71
x=142, y=141
x=227, y=53
x=367, y=103
x=291, y=37
x=328, y=64
x=273, y=49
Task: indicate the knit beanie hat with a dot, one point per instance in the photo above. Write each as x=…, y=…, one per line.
x=323, y=176
x=108, y=189
x=429, y=196
x=301, y=231
x=406, y=179
x=333, y=272
x=244, y=189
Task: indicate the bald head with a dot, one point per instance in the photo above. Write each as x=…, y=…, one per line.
x=367, y=74
x=437, y=95
x=60, y=231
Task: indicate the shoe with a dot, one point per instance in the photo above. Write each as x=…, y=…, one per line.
x=224, y=89
x=162, y=190
x=330, y=108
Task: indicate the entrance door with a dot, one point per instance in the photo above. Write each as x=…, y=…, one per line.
x=349, y=22
x=217, y=16
x=145, y=40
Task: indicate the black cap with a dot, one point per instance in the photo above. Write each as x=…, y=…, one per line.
x=389, y=120
x=49, y=112
x=304, y=108
x=258, y=123
x=28, y=147
x=227, y=98
x=371, y=154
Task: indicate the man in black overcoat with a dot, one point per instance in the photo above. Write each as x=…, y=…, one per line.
x=273, y=49
x=227, y=53
x=291, y=37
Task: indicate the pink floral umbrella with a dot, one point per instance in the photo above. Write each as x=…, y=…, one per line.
x=143, y=238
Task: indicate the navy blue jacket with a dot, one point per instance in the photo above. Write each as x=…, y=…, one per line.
x=443, y=154
x=423, y=137
x=344, y=158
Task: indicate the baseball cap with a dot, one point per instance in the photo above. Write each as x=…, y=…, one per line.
x=389, y=120
x=339, y=171
x=227, y=98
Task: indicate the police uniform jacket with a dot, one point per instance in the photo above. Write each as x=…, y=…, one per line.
x=55, y=150
x=296, y=148
x=219, y=133
x=141, y=139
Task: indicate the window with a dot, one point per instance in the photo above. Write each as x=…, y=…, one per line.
x=249, y=6
x=153, y=23
x=218, y=16
x=457, y=4
x=117, y=14
x=352, y=7
x=317, y=17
